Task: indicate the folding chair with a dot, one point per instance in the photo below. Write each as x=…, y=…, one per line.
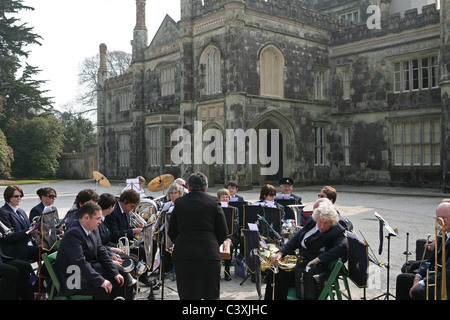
x=48, y=262
x=332, y=287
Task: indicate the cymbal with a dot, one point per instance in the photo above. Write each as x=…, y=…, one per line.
x=100, y=178
x=161, y=182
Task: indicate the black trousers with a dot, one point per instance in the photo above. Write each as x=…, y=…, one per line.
x=404, y=283
x=15, y=280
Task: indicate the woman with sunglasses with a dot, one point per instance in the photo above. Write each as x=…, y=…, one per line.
x=19, y=244
x=47, y=196
x=267, y=198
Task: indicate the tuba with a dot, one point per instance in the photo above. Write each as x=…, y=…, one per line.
x=439, y=225
x=136, y=220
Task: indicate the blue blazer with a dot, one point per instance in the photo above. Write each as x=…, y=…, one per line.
x=90, y=256
x=16, y=244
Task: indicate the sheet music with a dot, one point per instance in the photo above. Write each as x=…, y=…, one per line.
x=385, y=224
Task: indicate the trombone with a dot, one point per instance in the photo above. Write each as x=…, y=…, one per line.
x=439, y=224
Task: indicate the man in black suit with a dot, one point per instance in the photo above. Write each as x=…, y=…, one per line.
x=197, y=227
x=19, y=244
x=83, y=264
x=411, y=286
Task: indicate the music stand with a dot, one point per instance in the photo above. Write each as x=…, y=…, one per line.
x=45, y=225
x=391, y=232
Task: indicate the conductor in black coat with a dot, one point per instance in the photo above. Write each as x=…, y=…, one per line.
x=197, y=227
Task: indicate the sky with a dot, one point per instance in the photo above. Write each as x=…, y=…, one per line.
x=74, y=30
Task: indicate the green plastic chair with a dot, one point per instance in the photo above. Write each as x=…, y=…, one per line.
x=332, y=288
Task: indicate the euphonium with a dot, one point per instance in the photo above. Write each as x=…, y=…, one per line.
x=6, y=231
x=440, y=224
x=136, y=220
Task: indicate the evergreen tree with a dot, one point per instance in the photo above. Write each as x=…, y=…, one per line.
x=22, y=96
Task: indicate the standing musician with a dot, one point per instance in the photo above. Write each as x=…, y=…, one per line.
x=197, y=227
x=233, y=240
x=414, y=286
x=19, y=244
x=82, y=247
x=319, y=242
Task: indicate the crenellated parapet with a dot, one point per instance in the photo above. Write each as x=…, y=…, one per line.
x=392, y=24
x=290, y=9
x=119, y=81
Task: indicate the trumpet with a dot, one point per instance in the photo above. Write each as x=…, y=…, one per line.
x=439, y=225
x=6, y=231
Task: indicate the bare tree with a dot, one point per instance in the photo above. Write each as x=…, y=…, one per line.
x=118, y=63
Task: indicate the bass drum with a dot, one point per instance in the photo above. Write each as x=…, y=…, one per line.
x=147, y=209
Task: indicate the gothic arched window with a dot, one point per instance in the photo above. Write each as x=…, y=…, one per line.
x=272, y=71
x=211, y=62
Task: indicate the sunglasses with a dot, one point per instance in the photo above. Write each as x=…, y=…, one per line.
x=272, y=194
x=321, y=195
x=17, y=196
x=52, y=196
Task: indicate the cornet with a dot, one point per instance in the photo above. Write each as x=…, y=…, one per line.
x=124, y=245
x=6, y=231
x=440, y=224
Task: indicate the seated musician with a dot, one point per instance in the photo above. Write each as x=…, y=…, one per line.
x=20, y=243
x=319, y=242
x=47, y=197
x=330, y=193
x=119, y=224
x=108, y=202
x=84, y=196
x=410, y=286
x=94, y=272
x=267, y=198
x=233, y=187
x=286, y=186
x=233, y=240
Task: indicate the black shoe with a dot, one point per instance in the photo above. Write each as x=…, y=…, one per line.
x=227, y=275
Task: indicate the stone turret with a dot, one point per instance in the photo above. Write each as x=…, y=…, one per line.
x=140, y=33
x=103, y=73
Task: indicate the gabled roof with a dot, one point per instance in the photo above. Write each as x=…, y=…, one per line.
x=168, y=31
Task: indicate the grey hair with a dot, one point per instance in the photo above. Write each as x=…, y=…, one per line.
x=175, y=186
x=325, y=210
x=197, y=182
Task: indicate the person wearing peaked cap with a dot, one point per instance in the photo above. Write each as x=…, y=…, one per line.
x=286, y=186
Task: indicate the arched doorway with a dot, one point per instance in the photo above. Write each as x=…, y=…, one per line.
x=279, y=142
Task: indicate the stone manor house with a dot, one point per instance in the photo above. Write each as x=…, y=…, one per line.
x=350, y=91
